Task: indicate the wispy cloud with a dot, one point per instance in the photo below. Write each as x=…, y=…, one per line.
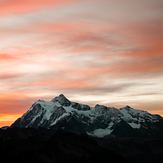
x=93, y=51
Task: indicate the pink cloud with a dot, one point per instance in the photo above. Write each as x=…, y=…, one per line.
x=85, y=47
x=25, y=6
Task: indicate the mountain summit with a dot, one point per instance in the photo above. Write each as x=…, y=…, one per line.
x=62, y=100
x=99, y=121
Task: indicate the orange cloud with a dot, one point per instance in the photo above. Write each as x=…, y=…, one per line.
x=7, y=57
x=62, y=84
x=6, y=123
x=9, y=7
x=14, y=102
x=8, y=119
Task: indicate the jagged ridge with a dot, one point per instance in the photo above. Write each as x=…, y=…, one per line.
x=99, y=121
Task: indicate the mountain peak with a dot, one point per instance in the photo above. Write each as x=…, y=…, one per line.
x=62, y=100
x=60, y=113
x=127, y=107
x=97, y=106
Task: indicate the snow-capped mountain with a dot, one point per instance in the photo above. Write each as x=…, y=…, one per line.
x=98, y=121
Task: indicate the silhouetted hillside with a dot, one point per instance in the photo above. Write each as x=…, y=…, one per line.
x=47, y=146
x=41, y=146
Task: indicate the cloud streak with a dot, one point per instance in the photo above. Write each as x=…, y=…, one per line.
x=92, y=51
x=25, y=6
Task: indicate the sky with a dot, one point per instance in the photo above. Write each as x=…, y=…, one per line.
x=92, y=51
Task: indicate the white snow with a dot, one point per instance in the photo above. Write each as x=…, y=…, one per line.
x=34, y=118
x=102, y=132
x=61, y=117
x=133, y=117
x=137, y=116
x=134, y=125
x=49, y=108
x=126, y=114
x=71, y=109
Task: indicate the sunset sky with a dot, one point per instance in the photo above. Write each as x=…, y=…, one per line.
x=93, y=51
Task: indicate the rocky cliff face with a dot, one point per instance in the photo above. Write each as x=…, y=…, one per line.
x=99, y=121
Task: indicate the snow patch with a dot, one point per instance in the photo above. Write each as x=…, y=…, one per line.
x=102, y=132
x=134, y=125
x=58, y=119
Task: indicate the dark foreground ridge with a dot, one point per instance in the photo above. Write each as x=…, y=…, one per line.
x=45, y=146
x=42, y=146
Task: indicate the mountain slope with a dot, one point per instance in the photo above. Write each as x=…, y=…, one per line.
x=100, y=121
